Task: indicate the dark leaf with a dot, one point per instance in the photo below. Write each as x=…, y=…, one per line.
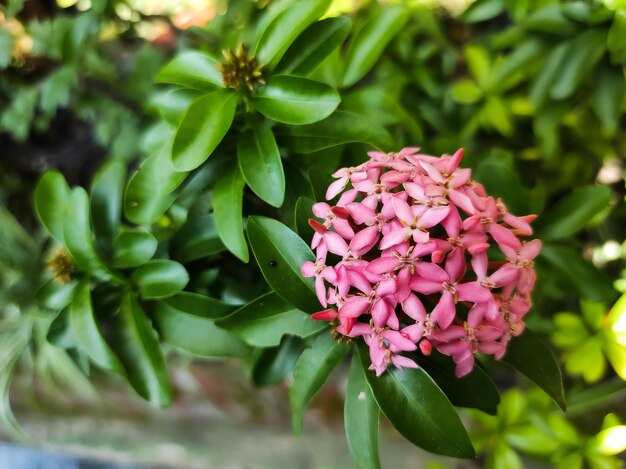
x=274, y=364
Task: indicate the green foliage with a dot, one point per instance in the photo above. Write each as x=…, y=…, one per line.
x=155, y=256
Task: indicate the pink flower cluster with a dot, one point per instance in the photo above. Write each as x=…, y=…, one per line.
x=416, y=255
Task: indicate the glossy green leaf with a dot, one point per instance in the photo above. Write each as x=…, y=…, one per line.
x=150, y=190
x=193, y=70
x=195, y=334
x=418, y=409
x=295, y=100
x=199, y=305
x=311, y=372
x=316, y=43
x=338, y=129
x=88, y=333
x=227, y=208
x=592, y=284
x=60, y=333
x=139, y=350
x=275, y=363
x=483, y=10
x=304, y=211
x=265, y=320
x=198, y=238
x=370, y=42
x=608, y=94
x=361, y=419
x=54, y=295
x=285, y=28
x=78, y=235
x=172, y=104
x=474, y=391
x=531, y=357
x=584, y=51
x=517, y=61
x=51, y=195
x=573, y=212
x=202, y=128
x=107, y=191
x=280, y=254
x=133, y=248
x=260, y=163
x=160, y=278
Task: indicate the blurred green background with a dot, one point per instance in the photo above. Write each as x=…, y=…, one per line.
x=532, y=89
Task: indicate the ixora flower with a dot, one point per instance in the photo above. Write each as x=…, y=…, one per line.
x=415, y=255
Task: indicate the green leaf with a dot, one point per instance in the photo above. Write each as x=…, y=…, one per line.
x=592, y=284
x=549, y=20
x=311, y=372
x=474, y=391
x=133, y=248
x=584, y=51
x=195, y=304
x=198, y=238
x=51, y=195
x=6, y=47
x=260, y=163
x=78, y=235
x=548, y=74
x=280, y=254
x=370, y=42
x=55, y=296
x=587, y=360
x=285, y=28
x=202, y=128
x=316, y=43
x=608, y=94
x=139, y=351
x=465, y=91
x=227, y=208
x=106, y=203
x=338, y=129
x=483, y=10
x=149, y=191
x=172, y=104
x=265, y=320
x=479, y=64
x=193, y=70
x=615, y=41
x=160, y=278
x=304, y=211
x=361, y=419
x=531, y=357
x=418, y=409
x=274, y=364
x=88, y=333
x=517, y=61
x=573, y=212
x=193, y=333
x=295, y=100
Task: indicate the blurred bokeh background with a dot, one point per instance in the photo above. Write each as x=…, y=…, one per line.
x=532, y=89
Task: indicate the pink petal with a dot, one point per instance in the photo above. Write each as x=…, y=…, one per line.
x=504, y=236
x=354, y=307
x=414, y=332
x=321, y=209
x=433, y=216
x=454, y=161
x=425, y=287
x=479, y=264
x=343, y=228
x=386, y=287
x=308, y=269
x=401, y=362
x=383, y=265
x=358, y=280
x=361, y=213
x=455, y=264
x=431, y=272
x=414, y=308
x=329, y=274
x=506, y=274
x=336, y=187
x=464, y=366
x=320, y=291
x=364, y=240
x=403, y=211
x=462, y=201
x=421, y=237
x=398, y=341
x=335, y=243
x=530, y=250
x=325, y=315
x=432, y=172
x=474, y=292
x=394, y=237
x=445, y=311
x=380, y=313
x=415, y=191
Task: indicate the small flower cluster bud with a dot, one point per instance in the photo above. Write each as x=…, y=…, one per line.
x=415, y=255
